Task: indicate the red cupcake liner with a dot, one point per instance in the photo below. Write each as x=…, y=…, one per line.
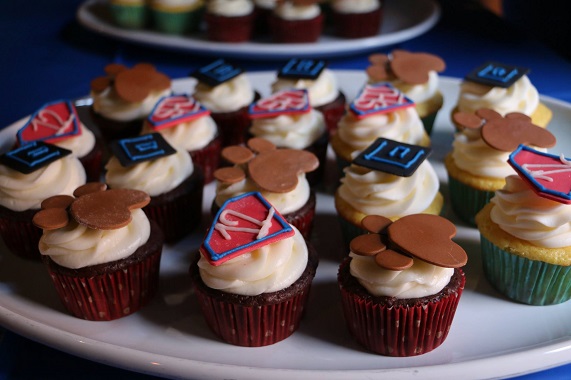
x=93, y=162
x=332, y=112
x=358, y=25
x=232, y=126
x=296, y=31
x=319, y=148
x=229, y=29
x=207, y=159
x=399, y=331
x=20, y=235
x=179, y=211
x=109, y=295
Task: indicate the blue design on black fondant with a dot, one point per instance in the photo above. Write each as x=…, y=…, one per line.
x=393, y=157
x=33, y=156
x=217, y=72
x=131, y=151
x=302, y=68
x=497, y=74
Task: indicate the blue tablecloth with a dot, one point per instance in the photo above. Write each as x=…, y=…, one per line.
x=47, y=55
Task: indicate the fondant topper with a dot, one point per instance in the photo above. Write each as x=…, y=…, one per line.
x=392, y=157
x=33, y=156
x=549, y=175
x=302, y=68
x=53, y=122
x=285, y=102
x=243, y=224
x=378, y=98
x=411, y=68
x=496, y=74
x=175, y=109
x=134, y=150
x=217, y=72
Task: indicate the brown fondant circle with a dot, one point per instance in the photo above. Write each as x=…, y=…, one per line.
x=90, y=187
x=136, y=84
x=375, y=223
x=367, y=245
x=51, y=218
x=229, y=175
x=100, y=84
x=467, y=120
x=414, y=68
x=508, y=133
x=57, y=201
x=392, y=260
x=237, y=154
x=258, y=145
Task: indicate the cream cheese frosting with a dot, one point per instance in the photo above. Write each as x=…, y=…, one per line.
x=265, y=270
x=77, y=246
x=420, y=280
x=20, y=192
x=111, y=106
x=519, y=211
x=374, y=192
x=355, y=6
x=522, y=97
x=80, y=145
x=226, y=97
x=230, y=8
x=290, y=131
x=155, y=177
x=290, y=11
x=192, y=135
x=402, y=125
x=285, y=203
x=321, y=91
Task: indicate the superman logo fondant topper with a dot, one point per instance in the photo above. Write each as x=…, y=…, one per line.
x=53, y=122
x=286, y=102
x=378, y=99
x=175, y=109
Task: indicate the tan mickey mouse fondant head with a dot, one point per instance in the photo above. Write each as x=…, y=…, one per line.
x=91, y=205
x=411, y=68
x=131, y=84
x=395, y=245
x=505, y=133
x=271, y=169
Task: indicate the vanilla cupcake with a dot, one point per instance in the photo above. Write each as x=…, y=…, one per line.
x=504, y=89
x=176, y=16
x=129, y=14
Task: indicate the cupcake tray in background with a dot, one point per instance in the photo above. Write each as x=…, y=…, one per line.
x=490, y=337
x=402, y=21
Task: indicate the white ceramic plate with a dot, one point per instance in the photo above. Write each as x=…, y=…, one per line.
x=402, y=20
x=490, y=337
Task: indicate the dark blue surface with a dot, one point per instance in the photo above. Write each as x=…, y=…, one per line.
x=47, y=55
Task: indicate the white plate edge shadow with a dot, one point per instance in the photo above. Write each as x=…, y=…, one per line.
x=551, y=353
x=327, y=47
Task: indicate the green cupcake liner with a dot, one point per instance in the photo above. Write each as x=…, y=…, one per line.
x=177, y=22
x=129, y=16
x=428, y=122
x=467, y=201
x=527, y=281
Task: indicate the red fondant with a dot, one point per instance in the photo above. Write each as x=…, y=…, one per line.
x=378, y=99
x=175, y=109
x=53, y=122
x=286, y=102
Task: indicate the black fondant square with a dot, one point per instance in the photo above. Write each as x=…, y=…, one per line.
x=33, y=156
x=496, y=74
x=302, y=68
x=217, y=72
x=393, y=157
x=134, y=150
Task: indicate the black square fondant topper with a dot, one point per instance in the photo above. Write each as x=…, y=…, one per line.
x=302, y=68
x=393, y=157
x=33, y=156
x=217, y=72
x=134, y=150
x=496, y=74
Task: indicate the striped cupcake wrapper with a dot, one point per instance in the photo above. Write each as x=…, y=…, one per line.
x=467, y=201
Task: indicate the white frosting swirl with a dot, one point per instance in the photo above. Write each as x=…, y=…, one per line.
x=77, y=246
x=403, y=125
x=192, y=135
x=20, y=192
x=111, y=106
x=377, y=193
x=419, y=93
x=265, y=270
x=226, y=97
x=290, y=11
x=230, y=8
x=154, y=177
x=420, y=280
x=285, y=203
x=290, y=131
x=522, y=213
x=355, y=6
x=522, y=97
x=321, y=91
x=80, y=145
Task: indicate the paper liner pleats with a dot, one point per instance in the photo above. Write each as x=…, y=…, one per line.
x=467, y=201
x=207, y=159
x=20, y=235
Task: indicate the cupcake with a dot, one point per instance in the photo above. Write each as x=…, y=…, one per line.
x=148, y=163
x=477, y=165
x=321, y=84
x=226, y=91
x=525, y=230
x=124, y=97
x=416, y=76
x=389, y=178
x=287, y=120
x=399, y=295
x=296, y=21
x=61, y=124
x=253, y=275
x=130, y=14
x=28, y=175
x=356, y=18
x=389, y=114
x=504, y=89
x=176, y=16
x=278, y=174
x=101, y=251
x=263, y=9
x=229, y=20
x=182, y=121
